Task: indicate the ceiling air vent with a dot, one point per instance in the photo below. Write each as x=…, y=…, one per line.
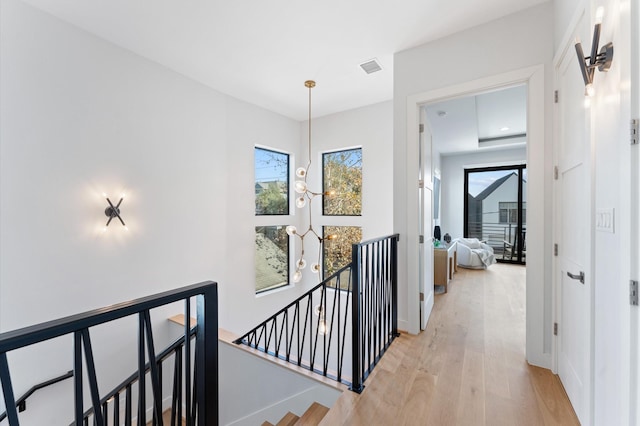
x=371, y=66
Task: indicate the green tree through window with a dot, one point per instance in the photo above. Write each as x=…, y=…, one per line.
x=342, y=181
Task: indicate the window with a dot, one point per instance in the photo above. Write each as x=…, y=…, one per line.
x=495, y=209
x=271, y=182
x=509, y=212
x=337, y=250
x=342, y=180
x=272, y=257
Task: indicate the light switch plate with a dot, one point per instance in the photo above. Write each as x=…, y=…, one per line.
x=605, y=220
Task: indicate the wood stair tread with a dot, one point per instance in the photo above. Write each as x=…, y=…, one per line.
x=314, y=415
x=289, y=419
x=267, y=424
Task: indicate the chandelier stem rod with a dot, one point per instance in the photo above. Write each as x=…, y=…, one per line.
x=309, y=148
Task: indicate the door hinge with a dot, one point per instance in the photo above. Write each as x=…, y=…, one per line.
x=421, y=239
x=633, y=132
x=421, y=128
x=555, y=328
x=555, y=97
x=555, y=249
x=421, y=183
x=633, y=292
x=421, y=296
x=555, y=172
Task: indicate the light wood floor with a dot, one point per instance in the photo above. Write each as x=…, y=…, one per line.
x=467, y=368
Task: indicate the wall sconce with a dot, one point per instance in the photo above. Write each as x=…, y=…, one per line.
x=601, y=60
x=113, y=211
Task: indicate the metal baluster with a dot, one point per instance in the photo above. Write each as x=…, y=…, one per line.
x=116, y=409
x=155, y=384
x=127, y=406
x=285, y=324
x=194, y=401
x=356, y=334
x=394, y=285
x=317, y=333
x=187, y=362
x=77, y=377
x=7, y=388
x=105, y=413
x=91, y=376
x=142, y=397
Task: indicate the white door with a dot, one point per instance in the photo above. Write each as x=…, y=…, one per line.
x=425, y=215
x=574, y=235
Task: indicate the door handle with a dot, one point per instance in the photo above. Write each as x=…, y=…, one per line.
x=579, y=277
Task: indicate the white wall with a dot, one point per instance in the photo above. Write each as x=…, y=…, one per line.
x=516, y=42
x=610, y=113
x=453, y=182
x=81, y=116
x=257, y=390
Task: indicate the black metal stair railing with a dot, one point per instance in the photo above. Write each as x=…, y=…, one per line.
x=201, y=401
x=375, y=304
x=311, y=331
x=342, y=326
x=110, y=403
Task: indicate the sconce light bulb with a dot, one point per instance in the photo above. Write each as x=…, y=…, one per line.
x=589, y=90
x=315, y=268
x=104, y=229
x=301, y=186
x=126, y=228
x=599, y=15
x=104, y=194
x=297, y=276
x=317, y=310
x=301, y=172
x=122, y=195
x=301, y=202
x=291, y=230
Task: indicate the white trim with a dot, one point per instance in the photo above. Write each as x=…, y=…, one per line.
x=534, y=78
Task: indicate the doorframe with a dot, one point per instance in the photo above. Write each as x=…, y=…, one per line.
x=538, y=303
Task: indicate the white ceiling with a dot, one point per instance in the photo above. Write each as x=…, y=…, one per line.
x=263, y=51
x=458, y=125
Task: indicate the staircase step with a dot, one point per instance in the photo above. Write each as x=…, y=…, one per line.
x=267, y=424
x=313, y=416
x=289, y=419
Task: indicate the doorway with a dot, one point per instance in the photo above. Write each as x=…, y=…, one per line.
x=538, y=338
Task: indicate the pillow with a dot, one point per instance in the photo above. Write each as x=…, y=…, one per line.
x=472, y=243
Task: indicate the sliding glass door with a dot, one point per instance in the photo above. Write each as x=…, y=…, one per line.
x=495, y=210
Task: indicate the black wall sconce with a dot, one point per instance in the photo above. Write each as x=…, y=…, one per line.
x=113, y=211
x=601, y=60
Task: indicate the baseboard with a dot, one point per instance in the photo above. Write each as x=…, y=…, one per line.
x=403, y=325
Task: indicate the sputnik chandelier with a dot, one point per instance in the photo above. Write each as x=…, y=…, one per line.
x=304, y=198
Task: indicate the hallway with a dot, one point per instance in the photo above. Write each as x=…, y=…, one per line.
x=466, y=368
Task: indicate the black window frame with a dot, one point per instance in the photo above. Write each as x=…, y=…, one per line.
x=324, y=181
x=288, y=181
